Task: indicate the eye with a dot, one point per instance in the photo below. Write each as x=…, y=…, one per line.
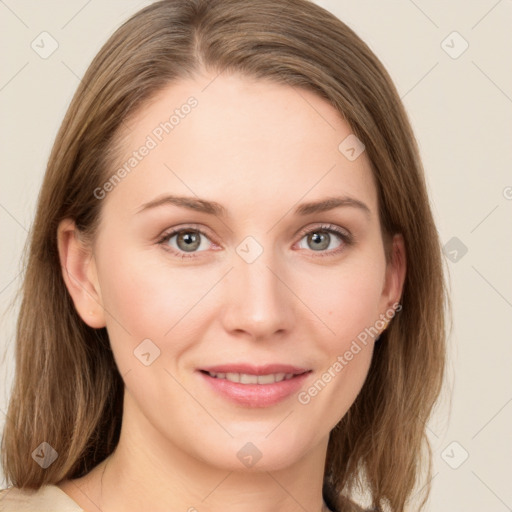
x=185, y=240
x=321, y=239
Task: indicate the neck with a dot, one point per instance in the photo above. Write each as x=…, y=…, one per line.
x=148, y=472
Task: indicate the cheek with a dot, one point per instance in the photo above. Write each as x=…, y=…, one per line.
x=146, y=299
x=346, y=298
x=348, y=303
x=334, y=391
x=351, y=303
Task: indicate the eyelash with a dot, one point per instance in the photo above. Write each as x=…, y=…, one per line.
x=346, y=238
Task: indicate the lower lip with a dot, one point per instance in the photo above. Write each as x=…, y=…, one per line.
x=256, y=395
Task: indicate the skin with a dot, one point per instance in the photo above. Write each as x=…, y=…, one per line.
x=259, y=149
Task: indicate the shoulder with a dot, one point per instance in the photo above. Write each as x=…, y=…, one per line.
x=47, y=497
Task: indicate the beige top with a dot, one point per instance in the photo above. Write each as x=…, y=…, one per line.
x=48, y=498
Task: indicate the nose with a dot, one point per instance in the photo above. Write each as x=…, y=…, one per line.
x=257, y=300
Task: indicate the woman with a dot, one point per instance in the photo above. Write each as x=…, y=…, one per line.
x=234, y=288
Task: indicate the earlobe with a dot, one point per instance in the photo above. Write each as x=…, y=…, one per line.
x=79, y=273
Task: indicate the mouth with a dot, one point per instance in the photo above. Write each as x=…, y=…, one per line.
x=252, y=386
x=248, y=378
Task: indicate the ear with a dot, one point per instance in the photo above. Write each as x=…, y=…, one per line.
x=79, y=273
x=395, y=273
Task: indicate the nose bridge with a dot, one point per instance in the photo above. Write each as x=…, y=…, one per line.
x=256, y=300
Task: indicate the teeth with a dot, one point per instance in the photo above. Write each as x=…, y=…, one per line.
x=246, y=378
x=268, y=379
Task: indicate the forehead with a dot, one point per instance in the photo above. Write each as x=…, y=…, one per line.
x=241, y=142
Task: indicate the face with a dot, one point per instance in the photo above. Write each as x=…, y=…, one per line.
x=211, y=256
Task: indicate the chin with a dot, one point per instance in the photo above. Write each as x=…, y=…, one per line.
x=252, y=452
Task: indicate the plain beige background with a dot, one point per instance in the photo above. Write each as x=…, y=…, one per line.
x=451, y=62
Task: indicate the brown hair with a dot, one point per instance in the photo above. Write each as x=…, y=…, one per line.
x=67, y=390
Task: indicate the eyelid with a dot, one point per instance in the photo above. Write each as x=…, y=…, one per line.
x=186, y=227
x=342, y=232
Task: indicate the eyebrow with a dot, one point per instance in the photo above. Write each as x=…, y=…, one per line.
x=192, y=203
x=214, y=208
x=329, y=204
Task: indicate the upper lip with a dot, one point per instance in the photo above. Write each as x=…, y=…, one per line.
x=250, y=369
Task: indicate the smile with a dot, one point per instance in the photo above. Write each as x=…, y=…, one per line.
x=247, y=378
x=254, y=386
